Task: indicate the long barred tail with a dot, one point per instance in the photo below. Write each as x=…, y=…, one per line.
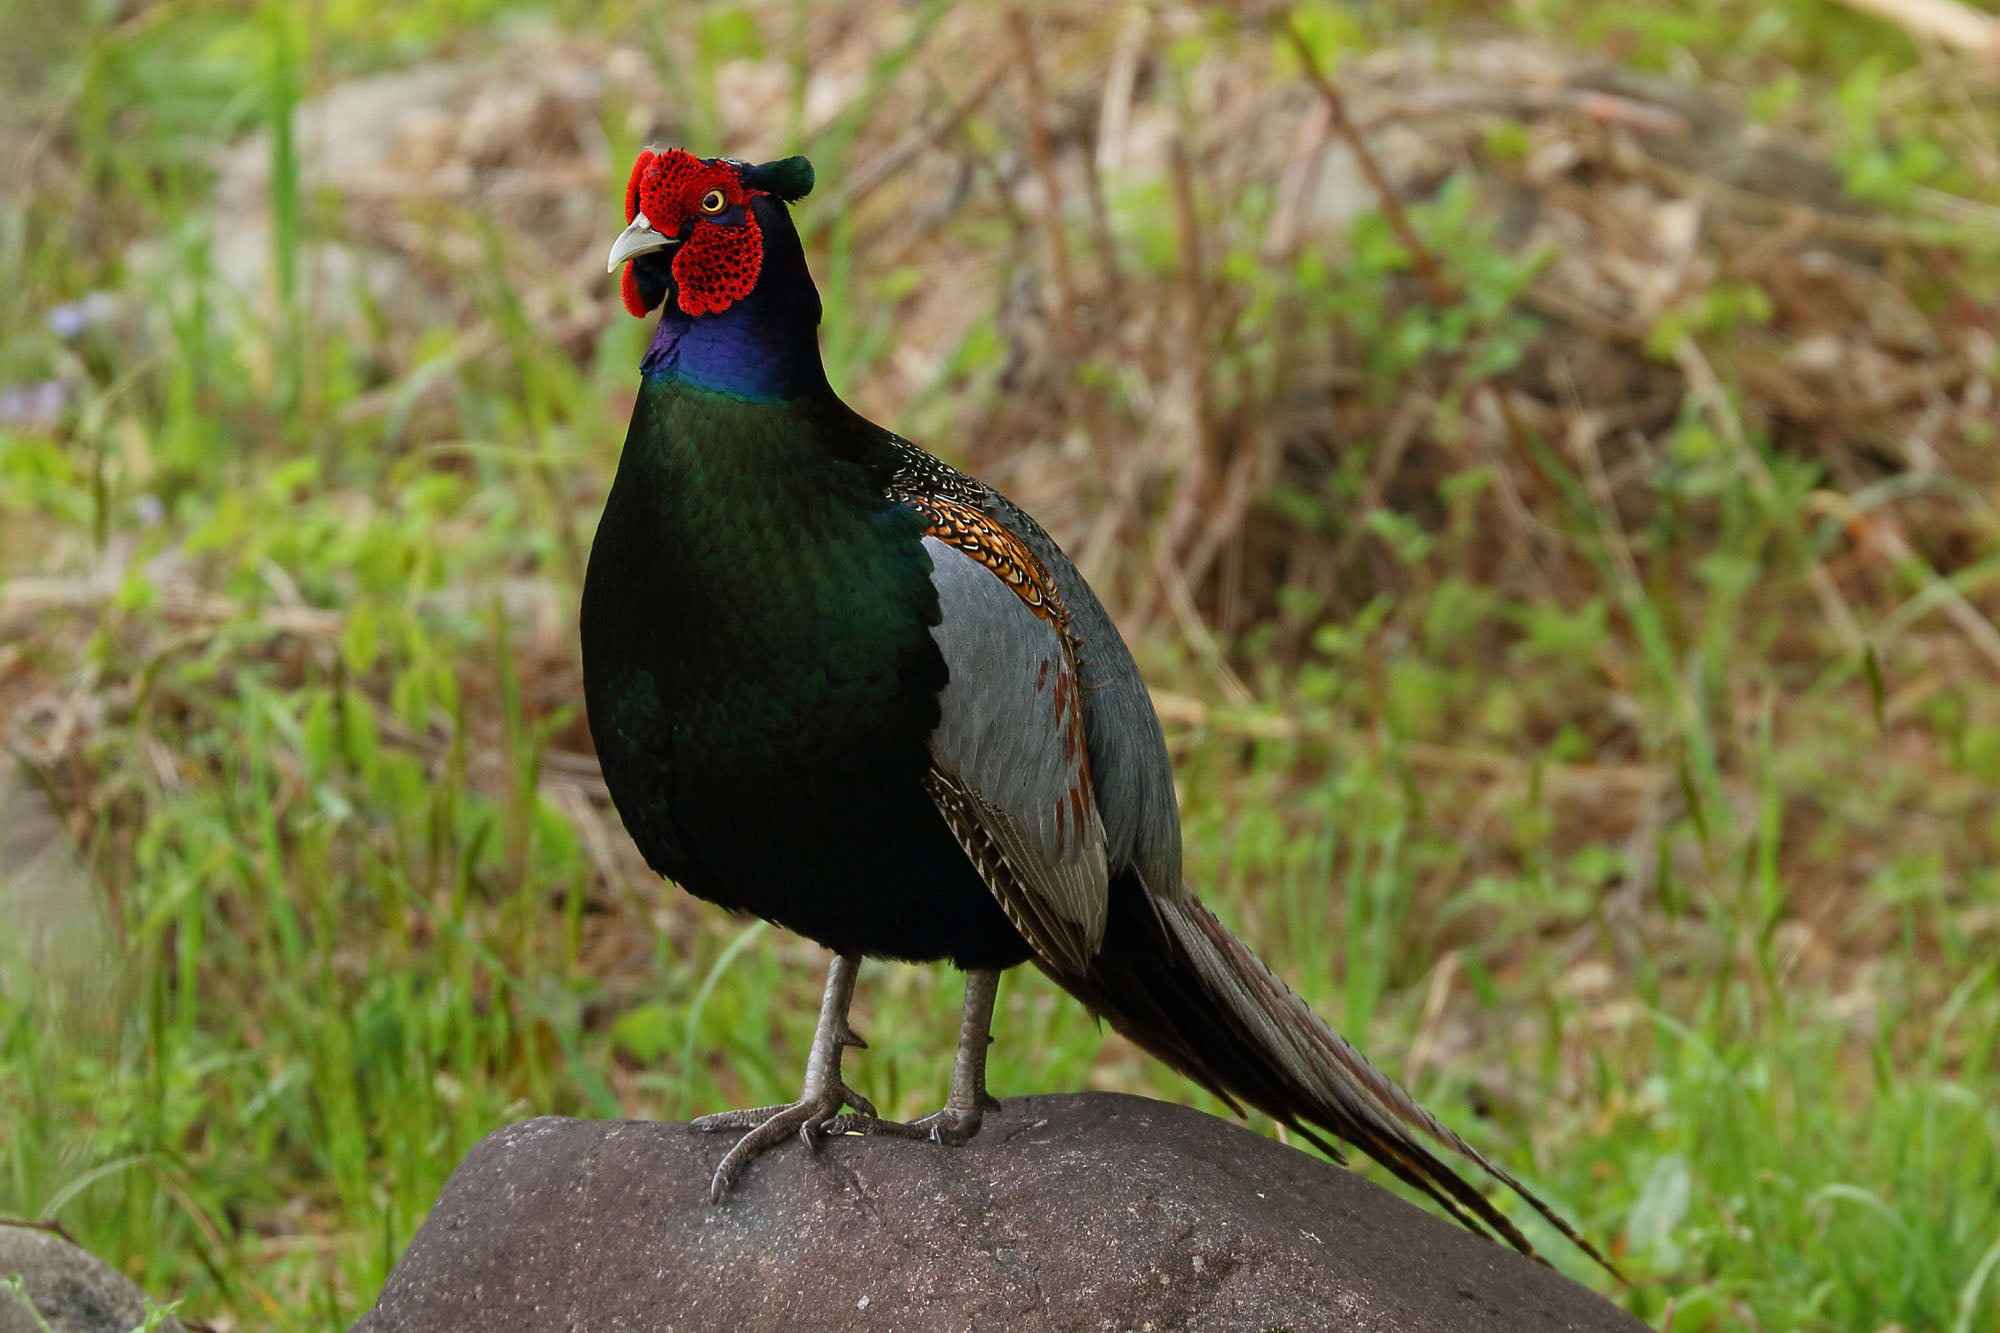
x=1172, y=979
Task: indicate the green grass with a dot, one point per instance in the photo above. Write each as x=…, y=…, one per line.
x=1640, y=876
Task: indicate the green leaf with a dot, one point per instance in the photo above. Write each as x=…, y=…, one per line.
x=1660, y=1208
x=645, y=1033
x=361, y=639
x=1871, y=667
x=729, y=34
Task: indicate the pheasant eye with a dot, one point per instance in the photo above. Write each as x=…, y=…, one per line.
x=713, y=202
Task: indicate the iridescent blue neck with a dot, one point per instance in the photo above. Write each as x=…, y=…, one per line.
x=765, y=347
x=752, y=350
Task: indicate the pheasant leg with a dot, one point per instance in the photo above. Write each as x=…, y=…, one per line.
x=969, y=1101
x=820, y=1101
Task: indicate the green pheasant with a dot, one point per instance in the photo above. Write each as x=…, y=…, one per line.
x=839, y=685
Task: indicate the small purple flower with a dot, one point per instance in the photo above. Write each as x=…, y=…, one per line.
x=33, y=406
x=71, y=318
x=68, y=320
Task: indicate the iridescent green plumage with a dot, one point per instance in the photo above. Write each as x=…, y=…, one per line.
x=762, y=680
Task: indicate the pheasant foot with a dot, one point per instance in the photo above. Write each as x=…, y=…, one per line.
x=969, y=1101
x=820, y=1102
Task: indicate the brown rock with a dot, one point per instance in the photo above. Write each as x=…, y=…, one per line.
x=1092, y=1211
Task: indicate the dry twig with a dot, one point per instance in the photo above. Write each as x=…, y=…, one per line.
x=1042, y=153
x=1945, y=21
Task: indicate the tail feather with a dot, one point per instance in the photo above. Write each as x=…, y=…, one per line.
x=1174, y=980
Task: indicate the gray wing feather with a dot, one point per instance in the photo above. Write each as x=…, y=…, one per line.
x=1129, y=768
x=1011, y=764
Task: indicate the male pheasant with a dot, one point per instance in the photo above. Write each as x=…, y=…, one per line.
x=835, y=683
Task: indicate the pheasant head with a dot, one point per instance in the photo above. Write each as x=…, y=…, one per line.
x=698, y=228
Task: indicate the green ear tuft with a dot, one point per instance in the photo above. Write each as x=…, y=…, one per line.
x=790, y=178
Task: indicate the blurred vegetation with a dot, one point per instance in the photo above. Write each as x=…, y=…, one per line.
x=1570, y=592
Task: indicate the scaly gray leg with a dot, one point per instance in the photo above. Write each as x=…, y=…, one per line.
x=969, y=1101
x=820, y=1101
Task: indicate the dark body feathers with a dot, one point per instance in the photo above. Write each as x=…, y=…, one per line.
x=762, y=681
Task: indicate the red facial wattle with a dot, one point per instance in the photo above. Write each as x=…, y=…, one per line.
x=716, y=264
x=646, y=157
x=628, y=282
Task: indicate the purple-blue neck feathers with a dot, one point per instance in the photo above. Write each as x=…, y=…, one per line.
x=765, y=347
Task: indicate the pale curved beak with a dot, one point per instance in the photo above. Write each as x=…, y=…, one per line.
x=637, y=239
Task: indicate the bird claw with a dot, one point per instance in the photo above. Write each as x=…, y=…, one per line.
x=753, y=1117
x=812, y=1117
x=748, y=1118
x=953, y=1126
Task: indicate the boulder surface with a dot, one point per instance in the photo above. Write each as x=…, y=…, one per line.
x=1084, y=1211
x=73, y=1291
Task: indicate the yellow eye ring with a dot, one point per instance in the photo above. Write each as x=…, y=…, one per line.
x=713, y=202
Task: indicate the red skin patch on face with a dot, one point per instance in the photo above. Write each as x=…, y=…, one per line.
x=718, y=266
x=632, y=186
x=717, y=263
x=628, y=291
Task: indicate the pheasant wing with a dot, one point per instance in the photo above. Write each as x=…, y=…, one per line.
x=1010, y=769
